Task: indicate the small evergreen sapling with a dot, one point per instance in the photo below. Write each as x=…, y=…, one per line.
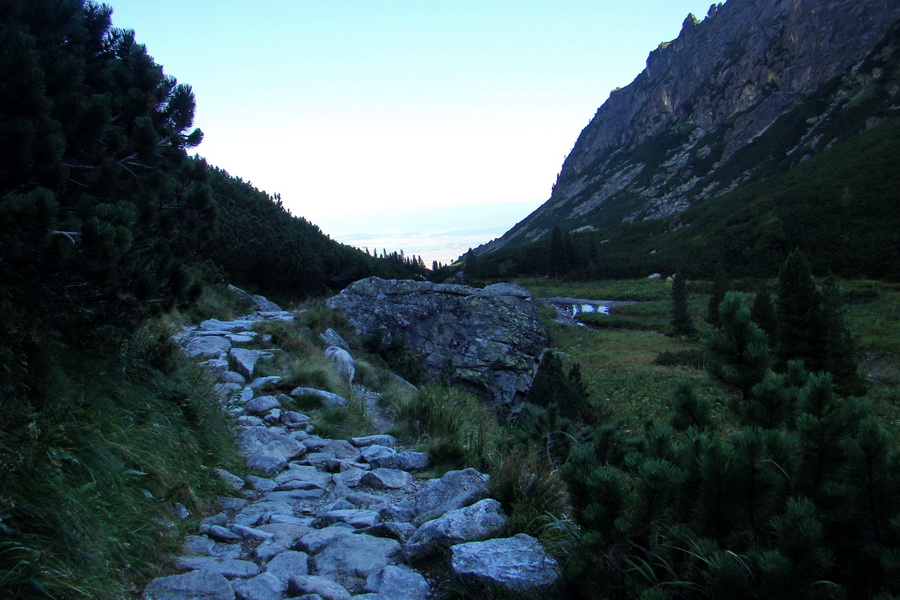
x=801, y=324
x=738, y=352
x=690, y=409
x=682, y=325
x=762, y=312
x=719, y=287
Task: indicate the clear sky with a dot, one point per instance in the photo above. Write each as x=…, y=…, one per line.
x=393, y=119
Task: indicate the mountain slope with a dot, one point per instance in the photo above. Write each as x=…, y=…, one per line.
x=751, y=92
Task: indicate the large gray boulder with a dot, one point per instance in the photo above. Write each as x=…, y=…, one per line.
x=454, y=490
x=518, y=563
x=489, y=339
x=470, y=524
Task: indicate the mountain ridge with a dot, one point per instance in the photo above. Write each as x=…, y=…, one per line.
x=742, y=95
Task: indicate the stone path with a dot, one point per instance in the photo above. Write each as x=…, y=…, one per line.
x=329, y=519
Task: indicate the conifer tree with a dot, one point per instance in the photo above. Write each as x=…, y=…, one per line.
x=739, y=353
x=682, y=325
x=690, y=409
x=838, y=343
x=801, y=324
x=719, y=287
x=762, y=311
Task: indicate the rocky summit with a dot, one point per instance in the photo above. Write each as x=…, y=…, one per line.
x=490, y=339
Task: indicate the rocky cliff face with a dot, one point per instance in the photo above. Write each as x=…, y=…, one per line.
x=693, y=124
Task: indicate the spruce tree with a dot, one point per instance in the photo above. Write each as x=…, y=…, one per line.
x=682, y=325
x=738, y=351
x=801, y=324
x=719, y=287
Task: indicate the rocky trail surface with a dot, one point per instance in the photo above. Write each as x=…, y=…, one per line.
x=332, y=519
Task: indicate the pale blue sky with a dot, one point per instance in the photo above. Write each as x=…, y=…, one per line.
x=364, y=114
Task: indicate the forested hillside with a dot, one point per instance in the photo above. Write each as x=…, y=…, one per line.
x=106, y=220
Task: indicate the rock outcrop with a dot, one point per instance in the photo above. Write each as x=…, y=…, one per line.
x=489, y=339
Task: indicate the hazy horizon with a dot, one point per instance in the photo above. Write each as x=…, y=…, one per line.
x=400, y=107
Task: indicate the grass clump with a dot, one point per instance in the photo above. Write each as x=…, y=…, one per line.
x=456, y=428
x=344, y=422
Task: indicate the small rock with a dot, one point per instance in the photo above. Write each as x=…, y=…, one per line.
x=350, y=560
x=205, y=546
x=393, y=530
x=260, y=382
x=315, y=541
x=454, y=490
x=202, y=585
x=312, y=584
x=327, y=399
x=232, y=377
x=398, y=583
x=217, y=532
x=264, y=586
x=387, y=479
x=288, y=564
x=262, y=404
x=355, y=517
x=374, y=452
x=232, y=481
x=216, y=366
x=294, y=420
x=406, y=461
x=518, y=563
x=250, y=533
x=261, y=484
x=207, y=347
x=369, y=440
x=273, y=417
x=333, y=338
x=227, y=567
x=245, y=360
x=401, y=512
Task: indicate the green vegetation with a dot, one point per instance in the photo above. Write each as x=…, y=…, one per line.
x=693, y=493
x=94, y=457
x=109, y=230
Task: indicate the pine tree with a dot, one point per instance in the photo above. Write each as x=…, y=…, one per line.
x=690, y=409
x=838, y=343
x=762, y=311
x=682, y=325
x=801, y=324
x=739, y=353
x=719, y=287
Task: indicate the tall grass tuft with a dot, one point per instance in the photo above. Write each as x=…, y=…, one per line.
x=530, y=490
x=456, y=428
x=93, y=459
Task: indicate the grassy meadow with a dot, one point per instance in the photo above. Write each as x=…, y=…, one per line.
x=618, y=352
